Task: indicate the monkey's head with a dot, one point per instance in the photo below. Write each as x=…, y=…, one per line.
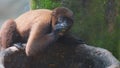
x=62, y=18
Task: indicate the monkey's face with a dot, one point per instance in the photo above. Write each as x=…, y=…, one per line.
x=63, y=24
x=62, y=19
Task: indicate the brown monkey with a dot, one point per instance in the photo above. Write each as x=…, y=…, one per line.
x=39, y=28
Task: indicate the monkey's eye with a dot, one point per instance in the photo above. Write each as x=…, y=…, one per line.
x=60, y=19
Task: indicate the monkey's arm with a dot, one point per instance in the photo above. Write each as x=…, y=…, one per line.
x=40, y=44
x=37, y=42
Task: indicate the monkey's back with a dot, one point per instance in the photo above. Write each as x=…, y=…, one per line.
x=27, y=20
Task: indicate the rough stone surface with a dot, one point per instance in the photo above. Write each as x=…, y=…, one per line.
x=60, y=56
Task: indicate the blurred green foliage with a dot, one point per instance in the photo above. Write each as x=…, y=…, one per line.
x=90, y=23
x=47, y=4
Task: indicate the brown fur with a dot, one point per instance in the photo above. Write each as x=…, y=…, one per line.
x=33, y=27
x=8, y=33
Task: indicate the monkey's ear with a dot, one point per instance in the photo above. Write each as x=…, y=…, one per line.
x=54, y=13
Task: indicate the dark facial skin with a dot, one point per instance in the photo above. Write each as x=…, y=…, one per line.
x=63, y=25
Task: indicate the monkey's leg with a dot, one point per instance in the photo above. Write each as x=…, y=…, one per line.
x=8, y=33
